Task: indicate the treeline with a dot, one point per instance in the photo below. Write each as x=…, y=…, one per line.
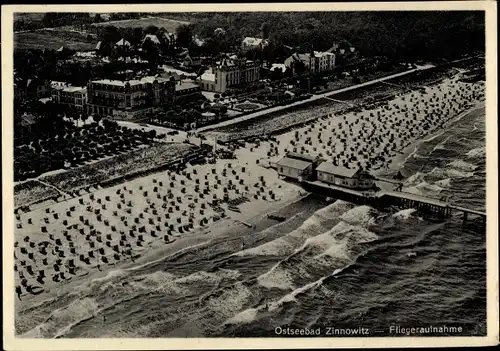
x=61, y=19
x=399, y=35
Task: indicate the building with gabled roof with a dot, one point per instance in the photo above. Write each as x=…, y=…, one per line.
x=228, y=73
x=154, y=39
x=298, y=166
x=169, y=38
x=250, y=43
x=294, y=168
x=353, y=178
x=122, y=42
x=315, y=62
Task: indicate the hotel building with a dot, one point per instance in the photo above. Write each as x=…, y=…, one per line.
x=68, y=95
x=319, y=62
x=228, y=73
x=129, y=99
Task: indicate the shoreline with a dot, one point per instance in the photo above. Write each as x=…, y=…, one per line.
x=406, y=153
x=252, y=211
x=213, y=128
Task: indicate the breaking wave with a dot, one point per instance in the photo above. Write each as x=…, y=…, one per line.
x=203, y=276
x=462, y=165
x=285, y=245
x=334, y=247
x=404, y=214
x=415, y=179
x=444, y=183
x=449, y=173
x=478, y=152
x=62, y=319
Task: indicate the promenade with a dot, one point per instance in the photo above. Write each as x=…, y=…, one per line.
x=311, y=99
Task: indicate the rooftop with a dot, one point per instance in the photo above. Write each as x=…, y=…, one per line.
x=132, y=82
x=254, y=41
x=300, y=156
x=208, y=76
x=73, y=89
x=123, y=42
x=185, y=85
x=151, y=37
x=329, y=167
x=293, y=163
x=280, y=66
x=54, y=84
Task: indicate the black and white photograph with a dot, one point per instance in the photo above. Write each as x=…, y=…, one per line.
x=259, y=173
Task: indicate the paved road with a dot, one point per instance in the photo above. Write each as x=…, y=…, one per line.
x=312, y=98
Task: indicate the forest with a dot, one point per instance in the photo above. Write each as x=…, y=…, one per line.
x=399, y=35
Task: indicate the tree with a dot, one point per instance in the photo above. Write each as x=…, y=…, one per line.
x=151, y=54
x=151, y=30
x=264, y=29
x=84, y=117
x=299, y=67
x=111, y=35
x=184, y=35
x=137, y=35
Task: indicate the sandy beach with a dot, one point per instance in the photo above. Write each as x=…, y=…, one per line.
x=72, y=242
x=379, y=139
x=129, y=225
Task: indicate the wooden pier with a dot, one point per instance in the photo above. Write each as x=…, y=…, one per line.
x=385, y=199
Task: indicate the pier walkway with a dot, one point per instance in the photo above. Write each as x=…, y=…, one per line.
x=412, y=197
x=385, y=199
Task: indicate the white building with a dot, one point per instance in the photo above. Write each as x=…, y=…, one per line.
x=66, y=94
x=346, y=177
x=278, y=66
x=293, y=168
x=250, y=43
x=229, y=73
x=319, y=62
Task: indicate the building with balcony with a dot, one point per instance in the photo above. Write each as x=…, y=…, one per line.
x=230, y=73
x=70, y=96
x=129, y=99
x=316, y=62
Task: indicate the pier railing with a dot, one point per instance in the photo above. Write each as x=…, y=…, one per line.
x=386, y=199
